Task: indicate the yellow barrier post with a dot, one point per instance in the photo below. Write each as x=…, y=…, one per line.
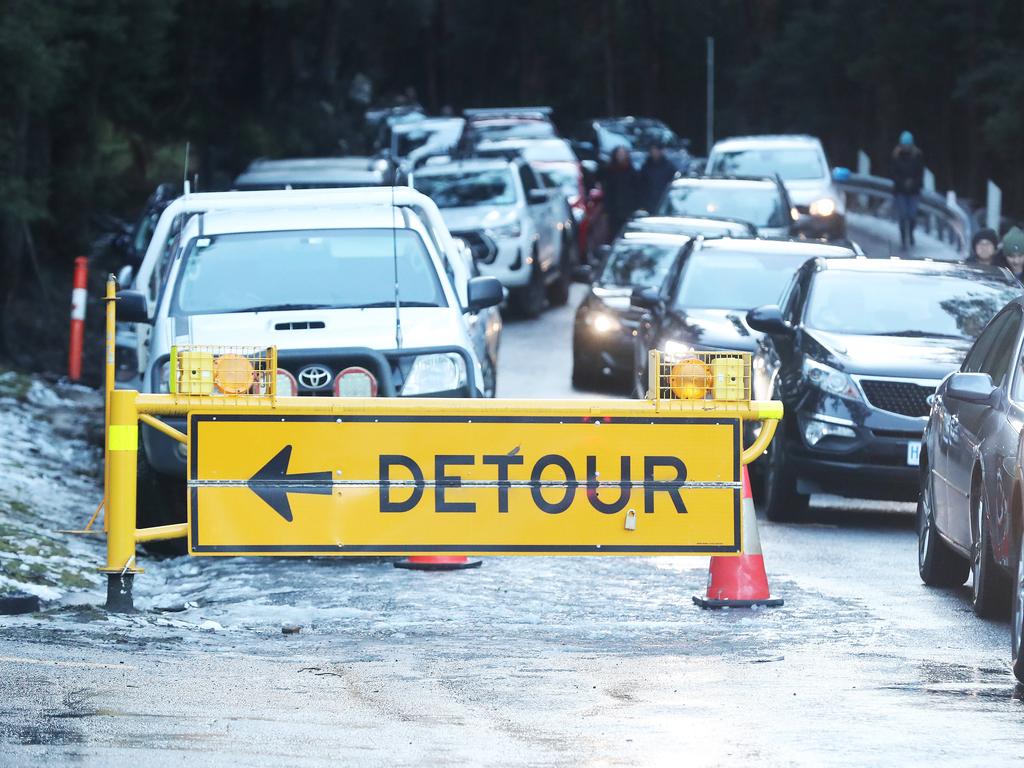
x=122, y=449
x=110, y=298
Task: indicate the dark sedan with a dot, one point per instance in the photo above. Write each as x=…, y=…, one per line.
x=702, y=305
x=854, y=354
x=970, y=508
x=602, y=339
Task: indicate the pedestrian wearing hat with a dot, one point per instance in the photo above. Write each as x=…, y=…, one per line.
x=907, y=180
x=1012, y=252
x=983, y=247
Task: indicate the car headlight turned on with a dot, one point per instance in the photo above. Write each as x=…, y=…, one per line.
x=816, y=430
x=513, y=230
x=442, y=372
x=826, y=206
x=678, y=348
x=828, y=379
x=602, y=322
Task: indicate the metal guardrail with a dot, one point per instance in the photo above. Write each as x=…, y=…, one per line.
x=938, y=215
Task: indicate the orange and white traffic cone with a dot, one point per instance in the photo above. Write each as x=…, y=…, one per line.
x=740, y=582
x=437, y=563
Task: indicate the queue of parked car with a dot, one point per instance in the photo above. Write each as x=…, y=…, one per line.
x=897, y=381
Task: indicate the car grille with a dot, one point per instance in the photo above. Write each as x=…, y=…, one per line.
x=480, y=245
x=903, y=397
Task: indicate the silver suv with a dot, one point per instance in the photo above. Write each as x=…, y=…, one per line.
x=801, y=164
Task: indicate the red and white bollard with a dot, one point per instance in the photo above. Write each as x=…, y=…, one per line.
x=79, y=297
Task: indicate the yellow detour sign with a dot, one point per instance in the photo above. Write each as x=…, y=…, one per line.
x=563, y=479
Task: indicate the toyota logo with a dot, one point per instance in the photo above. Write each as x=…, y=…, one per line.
x=314, y=377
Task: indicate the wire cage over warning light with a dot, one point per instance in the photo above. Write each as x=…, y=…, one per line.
x=721, y=377
x=217, y=371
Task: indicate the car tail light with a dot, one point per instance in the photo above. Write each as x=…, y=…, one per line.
x=355, y=382
x=286, y=384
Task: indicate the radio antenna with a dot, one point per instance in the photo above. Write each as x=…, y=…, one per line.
x=394, y=256
x=184, y=171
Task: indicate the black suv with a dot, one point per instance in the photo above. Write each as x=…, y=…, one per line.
x=855, y=350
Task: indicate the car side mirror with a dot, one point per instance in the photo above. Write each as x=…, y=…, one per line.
x=583, y=273
x=132, y=307
x=484, y=292
x=971, y=388
x=125, y=275
x=536, y=196
x=839, y=173
x=768, y=319
x=645, y=298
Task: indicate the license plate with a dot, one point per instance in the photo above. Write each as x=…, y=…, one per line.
x=914, y=454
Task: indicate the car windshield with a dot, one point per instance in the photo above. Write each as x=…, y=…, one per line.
x=305, y=269
x=721, y=279
x=761, y=205
x=497, y=130
x=904, y=304
x=790, y=164
x=565, y=176
x=635, y=136
x=638, y=264
x=468, y=188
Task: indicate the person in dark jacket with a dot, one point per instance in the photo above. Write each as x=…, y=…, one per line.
x=907, y=180
x=983, y=247
x=656, y=174
x=621, y=187
x=1011, y=253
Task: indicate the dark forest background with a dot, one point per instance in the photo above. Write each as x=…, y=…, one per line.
x=98, y=97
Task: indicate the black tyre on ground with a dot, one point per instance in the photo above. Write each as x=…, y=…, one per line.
x=160, y=500
x=1017, y=614
x=530, y=298
x=558, y=291
x=937, y=563
x=490, y=376
x=782, y=502
x=990, y=590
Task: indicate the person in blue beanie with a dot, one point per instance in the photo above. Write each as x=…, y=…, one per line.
x=907, y=179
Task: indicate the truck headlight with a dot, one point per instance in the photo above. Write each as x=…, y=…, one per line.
x=826, y=206
x=830, y=380
x=435, y=373
x=513, y=230
x=602, y=322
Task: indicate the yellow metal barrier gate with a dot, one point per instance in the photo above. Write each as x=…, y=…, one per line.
x=272, y=475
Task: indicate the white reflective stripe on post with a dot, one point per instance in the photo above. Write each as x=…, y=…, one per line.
x=79, y=298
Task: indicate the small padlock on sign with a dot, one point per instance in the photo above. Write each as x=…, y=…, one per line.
x=631, y=520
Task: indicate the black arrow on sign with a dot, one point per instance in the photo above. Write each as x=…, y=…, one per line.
x=273, y=483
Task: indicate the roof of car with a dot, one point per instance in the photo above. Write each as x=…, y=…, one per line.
x=536, y=150
x=774, y=140
x=922, y=266
x=709, y=222
x=656, y=238
x=429, y=124
x=628, y=119
x=735, y=181
x=291, y=219
x=306, y=177
x=757, y=245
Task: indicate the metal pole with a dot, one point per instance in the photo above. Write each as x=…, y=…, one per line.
x=994, y=206
x=108, y=382
x=711, y=95
x=123, y=449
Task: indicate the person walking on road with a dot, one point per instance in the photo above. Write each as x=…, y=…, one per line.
x=621, y=187
x=983, y=247
x=907, y=180
x=656, y=174
x=1011, y=253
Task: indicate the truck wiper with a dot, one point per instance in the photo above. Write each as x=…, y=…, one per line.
x=404, y=303
x=283, y=307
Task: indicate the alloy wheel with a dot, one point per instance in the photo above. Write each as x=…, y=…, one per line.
x=1016, y=627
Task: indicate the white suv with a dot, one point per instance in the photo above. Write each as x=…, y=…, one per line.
x=801, y=163
x=518, y=229
x=319, y=284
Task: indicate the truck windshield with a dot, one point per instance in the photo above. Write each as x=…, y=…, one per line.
x=305, y=269
x=758, y=204
x=790, y=164
x=468, y=188
x=904, y=304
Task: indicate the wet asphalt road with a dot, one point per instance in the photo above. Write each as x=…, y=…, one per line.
x=523, y=662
